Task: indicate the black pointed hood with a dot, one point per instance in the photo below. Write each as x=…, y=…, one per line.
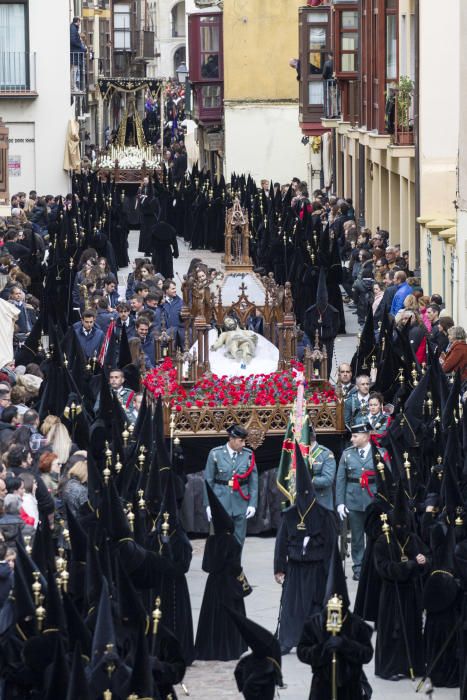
x=93, y=575
x=336, y=583
x=221, y=520
x=450, y=413
x=152, y=494
x=104, y=641
x=131, y=610
x=141, y=681
x=451, y=497
x=261, y=642
x=43, y=553
x=78, y=632
x=113, y=517
x=55, y=616
x=162, y=451
x=322, y=298
x=401, y=516
x=305, y=491
x=78, y=538
x=57, y=677
x=441, y=587
x=169, y=500
x=366, y=350
x=78, y=688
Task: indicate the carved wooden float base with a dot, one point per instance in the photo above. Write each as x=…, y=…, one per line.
x=260, y=421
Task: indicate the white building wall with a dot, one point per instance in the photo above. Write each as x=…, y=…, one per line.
x=439, y=111
x=37, y=127
x=166, y=43
x=265, y=141
x=462, y=179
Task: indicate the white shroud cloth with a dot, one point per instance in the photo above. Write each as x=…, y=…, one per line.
x=265, y=361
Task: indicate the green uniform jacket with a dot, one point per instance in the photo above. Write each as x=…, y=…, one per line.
x=348, y=489
x=220, y=467
x=323, y=470
x=353, y=413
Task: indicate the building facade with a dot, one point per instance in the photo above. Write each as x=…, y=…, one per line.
x=460, y=278
x=367, y=153
x=205, y=144
x=262, y=136
x=167, y=19
x=35, y=93
x=439, y=132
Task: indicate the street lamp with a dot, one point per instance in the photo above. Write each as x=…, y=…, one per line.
x=182, y=73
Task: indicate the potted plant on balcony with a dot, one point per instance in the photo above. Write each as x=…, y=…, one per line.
x=404, y=94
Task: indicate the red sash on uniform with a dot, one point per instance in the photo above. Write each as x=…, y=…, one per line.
x=365, y=480
x=237, y=478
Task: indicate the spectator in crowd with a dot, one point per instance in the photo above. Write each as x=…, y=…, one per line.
x=403, y=290
x=455, y=358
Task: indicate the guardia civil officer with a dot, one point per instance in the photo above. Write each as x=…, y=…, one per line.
x=231, y=473
x=322, y=464
x=355, y=489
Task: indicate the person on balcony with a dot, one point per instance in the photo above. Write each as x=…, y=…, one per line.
x=77, y=52
x=330, y=103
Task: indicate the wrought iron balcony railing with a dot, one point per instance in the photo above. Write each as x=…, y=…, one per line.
x=17, y=73
x=78, y=73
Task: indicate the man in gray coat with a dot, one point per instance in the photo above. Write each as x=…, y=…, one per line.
x=231, y=473
x=355, y=489
x=356, y=403
x=322, y=465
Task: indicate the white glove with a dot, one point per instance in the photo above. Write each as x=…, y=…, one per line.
x=342, y=510
x=250, y=511
x=208, y=513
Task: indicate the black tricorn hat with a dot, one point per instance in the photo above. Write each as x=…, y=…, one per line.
x=221, y=520
x=237, y=431
x=360, y=428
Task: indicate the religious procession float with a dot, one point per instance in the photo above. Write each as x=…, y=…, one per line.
x=130, y=157
x=231, y=373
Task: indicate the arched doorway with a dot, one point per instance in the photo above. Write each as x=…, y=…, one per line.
x=179, y=57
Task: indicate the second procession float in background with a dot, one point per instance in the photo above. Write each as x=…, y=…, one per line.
x=239, y=365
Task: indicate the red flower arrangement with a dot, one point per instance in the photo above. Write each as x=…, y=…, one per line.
x=212, y=391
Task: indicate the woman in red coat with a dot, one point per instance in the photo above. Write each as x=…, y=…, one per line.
x=456, y=355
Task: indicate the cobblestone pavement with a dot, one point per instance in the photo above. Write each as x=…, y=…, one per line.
x=214, y=680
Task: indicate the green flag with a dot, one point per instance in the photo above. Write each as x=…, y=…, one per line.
x=285, y=478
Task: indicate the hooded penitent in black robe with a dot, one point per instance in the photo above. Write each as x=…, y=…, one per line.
x=442, y=602
x=355, y=650
x=172, y=588
x=461, y=567
x=149, y=210
x=216, y=638
x=305, y=565
x=167, y=662
x=369, y=585
x=257, y=674
x=399, y=579
x=164, y=248
x=351, y=645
